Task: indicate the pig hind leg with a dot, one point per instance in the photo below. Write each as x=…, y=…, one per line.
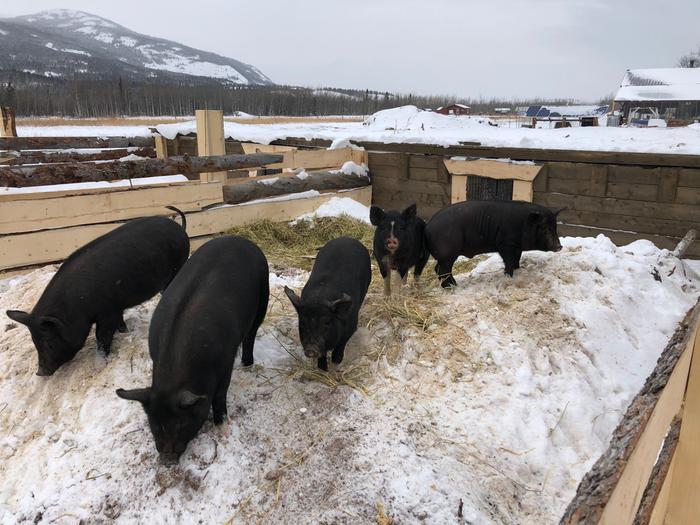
x=420, y=265
x=443, y=269
x=104, y=331
x=249, y=340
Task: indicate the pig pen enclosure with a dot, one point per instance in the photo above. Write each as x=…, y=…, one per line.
x=540, y=399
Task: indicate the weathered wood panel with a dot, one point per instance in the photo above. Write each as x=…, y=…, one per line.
x=688, y=196
x=630, y=223
x=637, y=192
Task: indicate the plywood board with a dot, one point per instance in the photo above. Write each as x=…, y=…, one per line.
x=493, y=169
x=59, y=212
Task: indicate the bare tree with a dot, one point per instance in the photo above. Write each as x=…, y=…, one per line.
x=692, y=59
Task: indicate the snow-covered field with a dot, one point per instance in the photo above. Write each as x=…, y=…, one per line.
x=410, y=125
x=501, y=393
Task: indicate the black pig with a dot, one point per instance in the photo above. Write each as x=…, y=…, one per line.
x=118, y=270
x=473, y=227
x=216, y=302
x=398, y=243
x=330, y=302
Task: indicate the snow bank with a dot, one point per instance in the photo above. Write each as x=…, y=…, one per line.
x=338, y=206
x=504, y=403
x=411, y=125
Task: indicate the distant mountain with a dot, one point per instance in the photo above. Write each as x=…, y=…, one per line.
x=64, y=44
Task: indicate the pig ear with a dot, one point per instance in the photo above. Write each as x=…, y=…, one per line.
x=142, y=395
x=186, y=399
x=410, y=212
x=376, y=215
x=50, y=324
x=296, y=301
x=534, y=217
x=341, y=306
x=19, y=316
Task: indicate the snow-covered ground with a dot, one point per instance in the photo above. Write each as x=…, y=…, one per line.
x=408, y=124
x=501, y=393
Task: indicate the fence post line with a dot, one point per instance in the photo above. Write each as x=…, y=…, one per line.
x=210, y=139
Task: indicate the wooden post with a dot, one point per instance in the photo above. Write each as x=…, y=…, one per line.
x=210, y=139
x=684, y=503
x=161, y=147
x=459, y=188
x=9, y=129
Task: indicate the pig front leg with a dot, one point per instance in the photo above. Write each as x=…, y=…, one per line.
x=322, y=363
x=385, y=269
x=511, y=259
x=104, y=331
x=339, y=352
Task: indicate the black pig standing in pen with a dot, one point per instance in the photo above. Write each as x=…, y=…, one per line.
x=473, y=227
x=116, y=271
x=330, y=301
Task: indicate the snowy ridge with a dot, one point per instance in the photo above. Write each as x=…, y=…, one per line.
x=110, y=49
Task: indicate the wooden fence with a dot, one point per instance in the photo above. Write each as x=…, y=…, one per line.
x=650, y=474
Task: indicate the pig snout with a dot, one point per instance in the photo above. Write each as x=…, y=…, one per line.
x=392, y=244
x=169, y=458
x=312, y=351
x=43, y=371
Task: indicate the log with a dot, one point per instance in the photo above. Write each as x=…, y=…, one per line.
x=20, y=143
x=48, y=174
x=685, y=243
x=271, y=187
x=53, y=157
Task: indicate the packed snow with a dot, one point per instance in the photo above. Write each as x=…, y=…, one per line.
x=409, y=124
x=338, y=206
x=503, y=399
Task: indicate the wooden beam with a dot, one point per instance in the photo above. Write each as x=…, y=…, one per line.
x=248, y=190
x=48, y=246
x=161, y=147
x=48, y=174
x=684, y=501
x=21, y=215
x=21, y=143
x=8, y=127
x=493, y=169
x=611, y=491
x=459, y=188
x=210, y=140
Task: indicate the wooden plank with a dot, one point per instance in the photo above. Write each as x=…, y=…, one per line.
x=681, y=212
x=610, y=492
x=459, y=188
x=8, y=127
x=688, y=196
x=630, y=223
x=684, y=503
x=384, y=159
x=386, y=172
x=413, y=186
x=60, y=212
x=599, y=180
x=571, y=171
x=621, y=238
x=522, y=190
x=252, y=147
x=425, y=161
x=493, y=169
x=541, y=182
x=657, y=479
x=636, y=192
x=689, y=178
x=668, y=184
x=39, y=195
x=658, y=515
x=27, y=249
x=571, y=186
x=426, y=174
x=210, y=140
x=634, y=174
x=161, y=147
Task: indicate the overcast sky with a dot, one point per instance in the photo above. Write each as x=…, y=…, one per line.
x=493, y=48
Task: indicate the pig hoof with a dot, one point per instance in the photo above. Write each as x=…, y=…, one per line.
x=103, y=350
x=337, y=360
x=219, y=417
x=122, y=328
x=247, y=362
x=449, y=282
